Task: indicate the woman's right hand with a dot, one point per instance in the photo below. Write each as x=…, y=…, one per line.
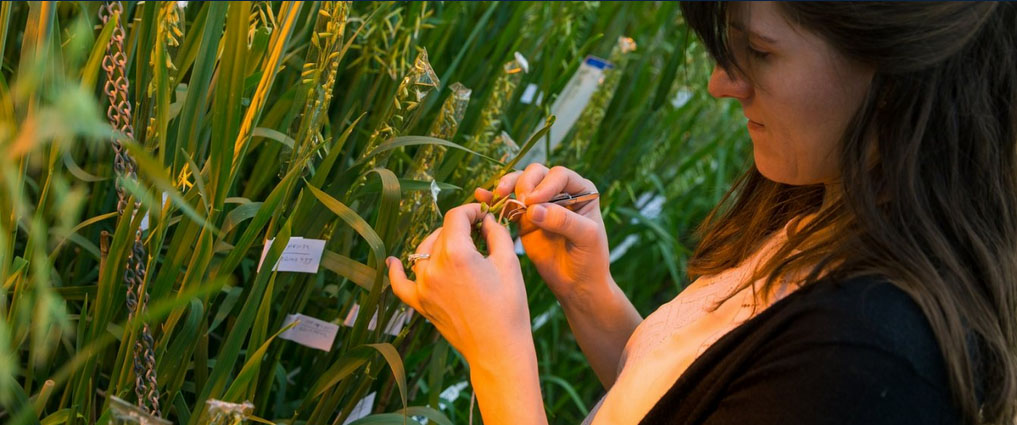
x=569, y=248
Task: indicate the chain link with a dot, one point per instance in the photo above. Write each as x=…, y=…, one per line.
x=119, y=114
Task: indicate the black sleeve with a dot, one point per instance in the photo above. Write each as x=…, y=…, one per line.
x=827, y=383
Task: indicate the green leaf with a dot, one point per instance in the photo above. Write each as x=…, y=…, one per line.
x=395, y=362
x=230, y=350
x=400, y=416
x=388, y=211
x=61, y=416
x=570, y=390
x=226, y=307
x=271, y=134
x=519, y=156
x=239, y=215
x=339, y=371
x=353, y=220
x=90, y=73
x=383, y=419
x=357, y=272
x=155, y=172
x=427, y=412
x=239, y=385
x=399, y=142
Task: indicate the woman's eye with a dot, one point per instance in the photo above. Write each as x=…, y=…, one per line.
x=758, y=53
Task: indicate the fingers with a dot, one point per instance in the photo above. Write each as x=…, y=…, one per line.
x=559, y=179
x=499, y=240
x=558, y=219
x=455, y=238
x=483, y=195
x=539, y=184
x=532, y=175
x=426, y=246
x=402, y=287
x=506, y=184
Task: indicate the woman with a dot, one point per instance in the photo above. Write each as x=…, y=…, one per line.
x=863, y=272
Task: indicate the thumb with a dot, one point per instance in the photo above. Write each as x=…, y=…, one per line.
x=402, y=287
x=563, y=221
x=499, y=241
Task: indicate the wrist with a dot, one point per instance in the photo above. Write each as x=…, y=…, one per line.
x=507, y=385
x=608, y=310
x=512, y=351
x=592, y=296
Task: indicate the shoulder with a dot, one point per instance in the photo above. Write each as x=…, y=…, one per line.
x=835, y=352
x=869, y=312
x=857, y=351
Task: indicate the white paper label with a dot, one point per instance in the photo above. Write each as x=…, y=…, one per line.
x=451, y=393
x=522, y=61
x=569, y=106
x=310, y=332
x=301, y=255
x=395, y=324
x=144, y=220
x=362, y=409
x=529, y=92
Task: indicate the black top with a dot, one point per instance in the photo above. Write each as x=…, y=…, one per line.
x=853, y=352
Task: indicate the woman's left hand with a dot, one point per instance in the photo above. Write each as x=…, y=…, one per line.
x=477, y=303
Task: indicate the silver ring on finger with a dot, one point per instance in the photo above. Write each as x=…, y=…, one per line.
x=413, y=258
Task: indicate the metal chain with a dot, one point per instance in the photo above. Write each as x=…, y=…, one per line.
x=119, y=114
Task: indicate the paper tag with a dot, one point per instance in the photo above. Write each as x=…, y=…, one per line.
x=451, y=393
x=395, y=325
x=435, y=190
x=681, y=98
x=522, y=61
x=569, y=106
x=529, y=92
x=362, y=409
x=310, y=332
x=301, y=255
x=144, y=220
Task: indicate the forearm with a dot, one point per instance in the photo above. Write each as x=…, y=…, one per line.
x=508, y=386
x=602, y=326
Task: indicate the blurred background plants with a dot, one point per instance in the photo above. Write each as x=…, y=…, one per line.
x=335, y=121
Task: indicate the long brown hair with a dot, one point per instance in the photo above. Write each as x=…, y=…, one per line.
x=929, y=202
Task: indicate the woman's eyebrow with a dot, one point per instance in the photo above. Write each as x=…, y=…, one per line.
x=738, y=26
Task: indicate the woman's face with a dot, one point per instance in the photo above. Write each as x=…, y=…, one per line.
x=799, y=98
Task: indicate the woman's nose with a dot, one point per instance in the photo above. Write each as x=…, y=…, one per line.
x=725, y=84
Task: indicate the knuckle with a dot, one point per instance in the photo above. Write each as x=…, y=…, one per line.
x=456, y=255
x=536, y=166
x=457, y=211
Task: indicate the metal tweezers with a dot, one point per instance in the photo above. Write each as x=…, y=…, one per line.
x=567, y=200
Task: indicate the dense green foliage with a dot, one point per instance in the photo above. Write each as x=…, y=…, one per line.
x=265, y=120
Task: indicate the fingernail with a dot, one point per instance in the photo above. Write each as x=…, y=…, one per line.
x=538, y=213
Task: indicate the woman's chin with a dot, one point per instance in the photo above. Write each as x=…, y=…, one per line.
x=777, y=172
